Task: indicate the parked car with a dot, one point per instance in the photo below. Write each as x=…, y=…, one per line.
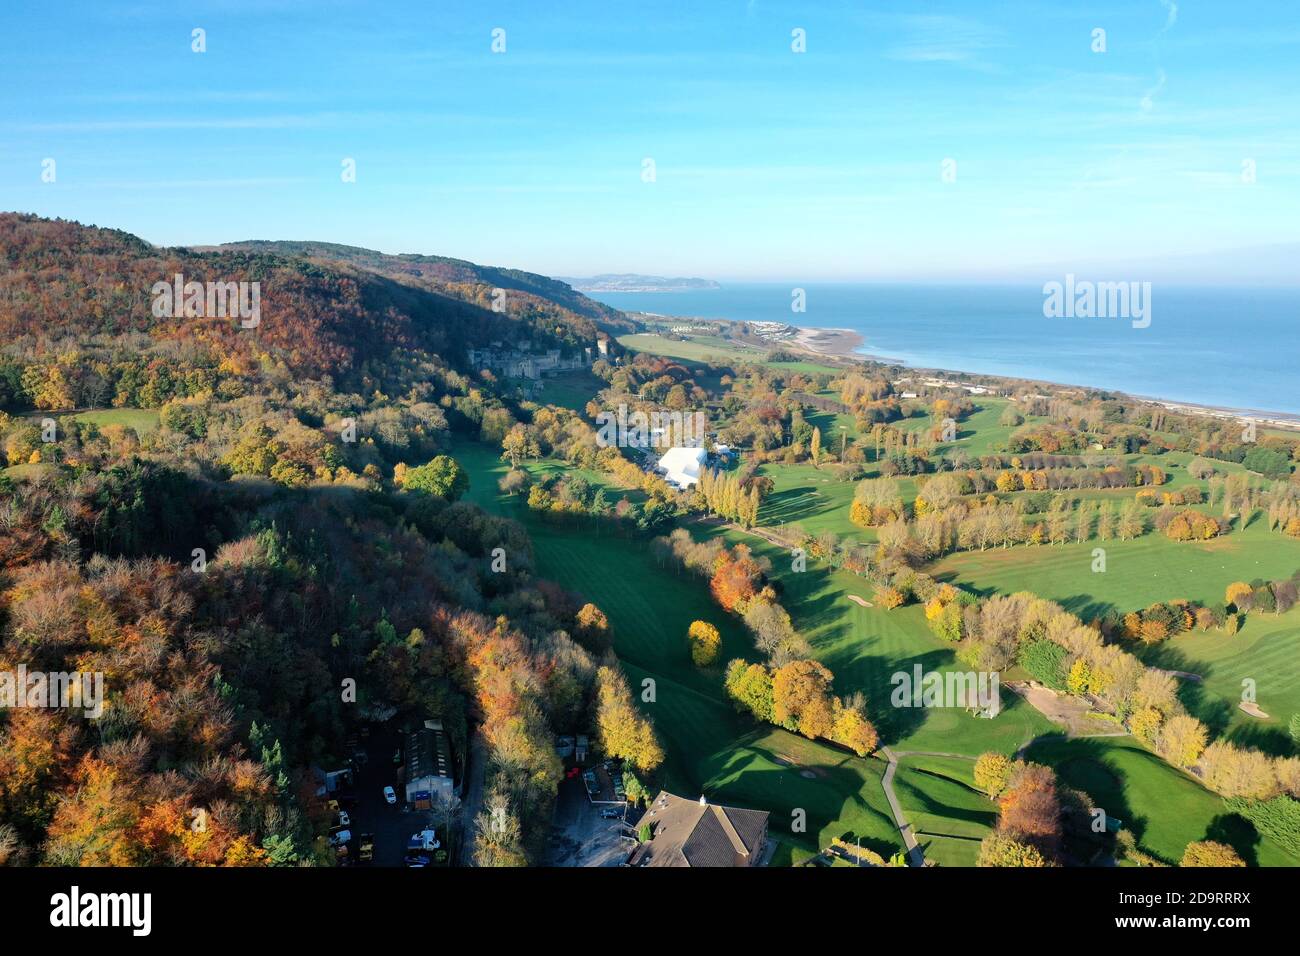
x=344, y=819
x=390, y=795
x=416, y=860
x=340, y=838
x=610, y=813
x=423, y=840
x=367, y=853
x=397, y=757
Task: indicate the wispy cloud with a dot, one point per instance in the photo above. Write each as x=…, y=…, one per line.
x=945, y=39
x=1148, y=98
x=1171, y=18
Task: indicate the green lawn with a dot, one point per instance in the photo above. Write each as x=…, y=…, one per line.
x=979, y=433
x=28, y=470
x=1266, y=651
x=143, y=420
x=864, y=647
x=570, y=390
x=1166, y=809
x=708, y=348
x=948, y=815
x=1138, y=573
x=811, y=497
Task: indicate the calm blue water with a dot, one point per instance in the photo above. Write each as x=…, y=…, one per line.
x=1230, y=347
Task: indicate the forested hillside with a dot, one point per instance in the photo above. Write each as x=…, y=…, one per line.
x=323, y=309
x=236, y=526
x=449, y=275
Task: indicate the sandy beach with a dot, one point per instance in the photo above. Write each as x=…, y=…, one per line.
x=840, y=342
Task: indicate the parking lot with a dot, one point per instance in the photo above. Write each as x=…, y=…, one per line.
x=392, y=824
x=580, y=836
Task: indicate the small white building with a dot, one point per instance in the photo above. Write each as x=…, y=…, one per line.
x=681, y=466
x=428, y=762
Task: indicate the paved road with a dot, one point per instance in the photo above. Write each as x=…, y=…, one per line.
x=914, y=855
x=472, y=802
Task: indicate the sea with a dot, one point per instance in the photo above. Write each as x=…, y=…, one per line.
x=1224, y=347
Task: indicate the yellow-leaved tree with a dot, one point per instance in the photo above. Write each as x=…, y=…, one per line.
x=705, y=643
x=623, y=732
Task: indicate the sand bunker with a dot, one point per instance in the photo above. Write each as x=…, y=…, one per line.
x=1253, y=709
x=858, y=601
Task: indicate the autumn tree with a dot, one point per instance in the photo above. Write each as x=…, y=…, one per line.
x=998, y=849
x=705, y=643
x=992, y=771
x=736, y=578
x=498, y=838
x=750, y=687
x=593, y=625
x=889, y=597
x=442, y=477
x=1031, y=809
x=1181, y=740
x=851, y=728
x=801, y=699
x=1210, y=853
x=622, y=730
x=1237, y=596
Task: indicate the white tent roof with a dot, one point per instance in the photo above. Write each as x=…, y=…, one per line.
x=681, y=466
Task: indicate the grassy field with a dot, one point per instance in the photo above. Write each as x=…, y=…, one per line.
x=1165, y=809
x=711, y=749
x=143, y=420
x=1266, y=651
x=1138, y=573
x=948, y=815
x=29, y=470
x=811, y=497
x=708, y=348
x=864, y=647
x=570, y=390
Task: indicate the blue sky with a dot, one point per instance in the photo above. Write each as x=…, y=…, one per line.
x=769, y=164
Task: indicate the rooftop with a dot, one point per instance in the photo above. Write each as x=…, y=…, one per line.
x=697, y=833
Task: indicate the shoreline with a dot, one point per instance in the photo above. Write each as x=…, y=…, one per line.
x=851, y=345
x=1260, y=416
x=841, y=343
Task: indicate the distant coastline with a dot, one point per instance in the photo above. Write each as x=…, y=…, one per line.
x=1186, y=360
x=634, y=282
x=851, y=346
x=814, y=340
x=847, y=344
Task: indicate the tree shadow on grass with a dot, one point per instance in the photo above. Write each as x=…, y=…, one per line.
x=1239, y=833
x=1081, y=763
x=1086, y=607
x=1273, y=741
x=872, y=673
x=919, y=800
x=832, y=792
x=815, y=604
